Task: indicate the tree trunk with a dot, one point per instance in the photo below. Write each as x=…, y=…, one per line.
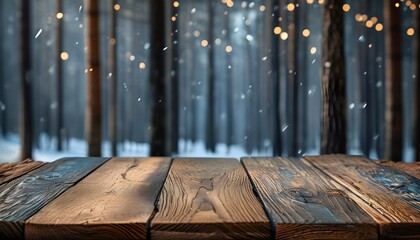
x=250, y=122
x=59, y=83
x=159, y=146
x=210, y=139
x=93, y=88
x=112, y=57
x=393, y=75
x=293, y=81
x=303, y=77
x=417, y=124
x=333, y=139
x=175, y=83
x=26, y=82
x=229, y=89
x=3, y=125
x=275, y=60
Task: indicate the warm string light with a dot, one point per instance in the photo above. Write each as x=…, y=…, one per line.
x=204, y=43
x=379, y=27
x=59, y=15
x=142, y=65
x=284, y=35
x=346, y=7
x=290, y=7
x=277, y=30
x=410, y=31
x=369, y=23
x=228, y=3
x=64, y=56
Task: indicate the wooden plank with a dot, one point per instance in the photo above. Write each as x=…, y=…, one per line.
x=114, y=202
x=10, y=171
x=24, y=196
x=410, y=168
x=380, y=189
x=303, y=202
x=208, y=199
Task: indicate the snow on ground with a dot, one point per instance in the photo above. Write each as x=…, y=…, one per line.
x=9, y=150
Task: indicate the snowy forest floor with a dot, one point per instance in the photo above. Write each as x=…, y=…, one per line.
x=9, y=150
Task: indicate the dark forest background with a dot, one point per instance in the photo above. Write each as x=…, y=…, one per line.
x=276, y=77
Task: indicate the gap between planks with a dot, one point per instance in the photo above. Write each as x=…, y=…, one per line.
x=211, y=199
x=155, y=209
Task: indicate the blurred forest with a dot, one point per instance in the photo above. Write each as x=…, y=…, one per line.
x=283, y=77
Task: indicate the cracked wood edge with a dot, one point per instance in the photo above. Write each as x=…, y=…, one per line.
x=114, y=202
x=304, y=203
x=24, y=196
x=208, y=199
x=410, y=168
x=391, y=197
x=10, y=171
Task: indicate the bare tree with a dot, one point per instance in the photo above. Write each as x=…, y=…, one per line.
x=159, y=144
x=417, y=130
x=229, y=88
x=333, y=138
x=293, y=81
x=393, y=75
x=275, y=60
x=210, y=130
x=174, y=83
x=59, y=76
x=93, y=88
x=3, y=125
x=112, y=50
x=26, y=82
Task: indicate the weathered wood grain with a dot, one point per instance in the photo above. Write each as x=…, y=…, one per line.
x=208, y=199
x=303, y=202
x=114, y=202
x=393, y=194
x=411, y=168
x=10, y=171
x=24, y=196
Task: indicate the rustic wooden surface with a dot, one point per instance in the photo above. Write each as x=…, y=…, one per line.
x=24, y=196
x=10, y=171
x=328, y=197
x=304, y=203
x=114, y=202
x=393, y=194
x=411, y=168
x=208, y=199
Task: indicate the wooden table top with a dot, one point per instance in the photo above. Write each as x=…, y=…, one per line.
x=316, y=197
